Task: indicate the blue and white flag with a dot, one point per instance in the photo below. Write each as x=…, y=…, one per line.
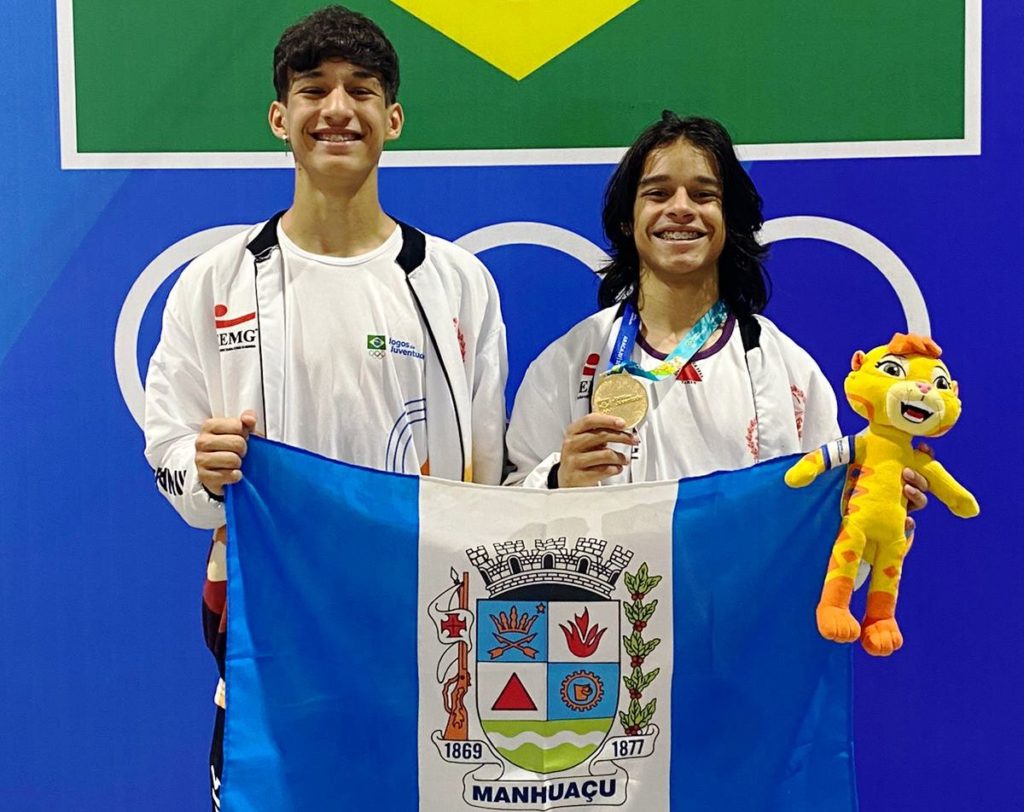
x=398, y=643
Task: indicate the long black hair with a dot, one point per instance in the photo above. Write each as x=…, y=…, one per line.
x=742, y=282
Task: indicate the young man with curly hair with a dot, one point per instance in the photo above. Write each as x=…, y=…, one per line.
x=331, y=326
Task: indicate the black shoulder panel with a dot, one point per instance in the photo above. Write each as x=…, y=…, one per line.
x=414, y=248
x=750, y=332
x=266, y=239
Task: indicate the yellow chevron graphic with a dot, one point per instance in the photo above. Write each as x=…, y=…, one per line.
x=516, y=36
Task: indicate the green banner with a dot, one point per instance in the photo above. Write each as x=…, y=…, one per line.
x=195, y=77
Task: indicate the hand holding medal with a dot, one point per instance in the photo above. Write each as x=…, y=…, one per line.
x=620, y=401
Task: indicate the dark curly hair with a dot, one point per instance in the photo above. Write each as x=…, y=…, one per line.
x=742, y=282
x=335, y=32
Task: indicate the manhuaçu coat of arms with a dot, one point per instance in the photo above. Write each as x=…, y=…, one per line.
x=542, y=686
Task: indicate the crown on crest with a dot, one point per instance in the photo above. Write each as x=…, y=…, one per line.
x=551, y=561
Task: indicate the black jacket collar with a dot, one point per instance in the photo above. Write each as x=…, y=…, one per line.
x=410, y=257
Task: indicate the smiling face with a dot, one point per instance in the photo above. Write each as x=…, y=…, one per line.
x=908, y=391
x=336, y=121
x=678, y=224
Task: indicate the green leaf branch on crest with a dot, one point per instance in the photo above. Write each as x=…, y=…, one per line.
x=639, y=611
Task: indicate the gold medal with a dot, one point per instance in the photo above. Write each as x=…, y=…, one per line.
x=621, y=395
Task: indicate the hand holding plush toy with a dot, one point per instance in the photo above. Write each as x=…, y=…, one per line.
x=904, y=391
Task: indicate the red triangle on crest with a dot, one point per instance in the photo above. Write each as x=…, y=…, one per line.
x=689, y=374
x=514, y=697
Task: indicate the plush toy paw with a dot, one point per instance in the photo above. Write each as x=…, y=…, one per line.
x=881, y=638
x=801, y=474
x=966, y=507
x=836, y=623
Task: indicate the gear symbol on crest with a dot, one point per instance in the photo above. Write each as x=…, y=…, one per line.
x=582, y=691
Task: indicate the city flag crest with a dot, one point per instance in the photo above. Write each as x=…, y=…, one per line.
x=548, y=647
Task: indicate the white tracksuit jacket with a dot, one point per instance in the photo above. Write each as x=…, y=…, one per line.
x=200, y=370
x=556, y=391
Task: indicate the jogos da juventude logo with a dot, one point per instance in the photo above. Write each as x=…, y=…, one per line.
x=535, y=711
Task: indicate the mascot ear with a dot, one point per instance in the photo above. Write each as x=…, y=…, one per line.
x=956, y=388
x=857, y=361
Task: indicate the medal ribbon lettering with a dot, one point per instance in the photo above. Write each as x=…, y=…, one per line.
x=684, y=351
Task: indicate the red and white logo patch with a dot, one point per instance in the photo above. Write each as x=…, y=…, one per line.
x=587, y=375
x=231, y=334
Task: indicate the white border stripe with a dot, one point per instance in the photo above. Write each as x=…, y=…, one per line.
x=972, y=75
x=66, y=99
x=514, y=157
x=71, y=158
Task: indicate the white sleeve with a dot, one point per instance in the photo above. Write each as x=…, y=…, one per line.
x=538, y=424
x=820, y=422
x=802, y=403
x=177, y=403
x=490, y=371
x=814, y=400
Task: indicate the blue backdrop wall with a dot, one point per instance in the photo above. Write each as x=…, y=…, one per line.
x=105, y=687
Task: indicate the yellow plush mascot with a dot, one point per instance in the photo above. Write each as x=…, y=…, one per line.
x=904, y=391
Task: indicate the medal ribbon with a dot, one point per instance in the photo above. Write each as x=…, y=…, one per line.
x=687, y=347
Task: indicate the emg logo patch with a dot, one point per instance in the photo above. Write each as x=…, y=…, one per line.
x=234, y=332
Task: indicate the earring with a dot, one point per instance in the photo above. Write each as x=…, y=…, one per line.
x=284, y=137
